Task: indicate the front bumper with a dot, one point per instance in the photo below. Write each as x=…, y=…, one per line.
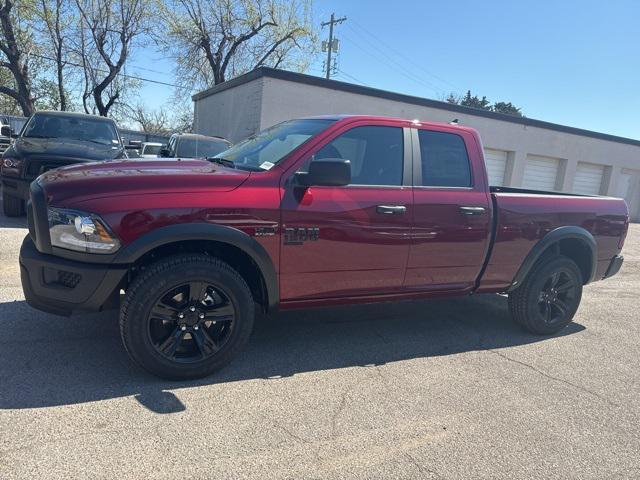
x=61, y=286
x=614, y=266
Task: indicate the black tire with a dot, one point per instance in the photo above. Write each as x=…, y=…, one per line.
x=12, y=206
x=549, y=297
x=151, y=308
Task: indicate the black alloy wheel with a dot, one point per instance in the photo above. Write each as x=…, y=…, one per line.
x=191, y=322
x=557, y=297
x=549, y=297
x=186, y=316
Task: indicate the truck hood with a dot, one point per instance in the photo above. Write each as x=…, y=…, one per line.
x=79, y=150
x=77, y=183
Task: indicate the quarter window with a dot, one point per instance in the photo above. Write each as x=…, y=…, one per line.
x=445, y=162
x=375, y=153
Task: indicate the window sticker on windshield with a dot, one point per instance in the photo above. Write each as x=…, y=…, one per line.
x=266, y=165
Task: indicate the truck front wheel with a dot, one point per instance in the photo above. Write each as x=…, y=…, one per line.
x=549, y=297
x=186, y=316
x=12, y=206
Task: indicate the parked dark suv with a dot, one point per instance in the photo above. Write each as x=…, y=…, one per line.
x=191, y=145
x=50, y=140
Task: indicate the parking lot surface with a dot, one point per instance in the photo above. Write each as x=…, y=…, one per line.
x=440, y=389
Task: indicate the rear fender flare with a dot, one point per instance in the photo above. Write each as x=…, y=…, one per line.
x=211, y=232
x=551, y=238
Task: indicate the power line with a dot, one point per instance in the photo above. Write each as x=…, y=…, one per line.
x=351, y=77
x=401, y=54
x=407, y=73
x=399, y=68
x=125, y=75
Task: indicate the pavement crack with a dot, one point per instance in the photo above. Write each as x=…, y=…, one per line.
x=554, y=378
x=343, y=403
x=293, y=435
x=422, y=469
x=338, y=411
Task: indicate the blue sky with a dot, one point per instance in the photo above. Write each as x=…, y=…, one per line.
x=566, y=61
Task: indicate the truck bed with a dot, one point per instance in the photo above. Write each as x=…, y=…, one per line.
x=523, y=217
x=497, y=189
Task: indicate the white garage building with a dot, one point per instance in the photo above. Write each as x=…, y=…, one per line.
x=520, y=152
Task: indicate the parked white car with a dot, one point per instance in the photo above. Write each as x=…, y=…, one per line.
x=150, y=149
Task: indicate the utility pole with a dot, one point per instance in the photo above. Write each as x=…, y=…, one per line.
x=330, y=44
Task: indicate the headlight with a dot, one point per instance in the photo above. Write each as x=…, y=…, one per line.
x=10, y=162
x=80, y=231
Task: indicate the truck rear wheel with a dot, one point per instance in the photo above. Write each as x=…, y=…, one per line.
x=12, y=206
x=549, y=297
x=186, y=316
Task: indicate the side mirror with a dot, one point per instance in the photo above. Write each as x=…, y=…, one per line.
x=330, y=172
x=7, y=131
x=164, y=151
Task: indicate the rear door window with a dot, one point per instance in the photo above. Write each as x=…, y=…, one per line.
x=444, y=158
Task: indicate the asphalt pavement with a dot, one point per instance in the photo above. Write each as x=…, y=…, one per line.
x=445, y=389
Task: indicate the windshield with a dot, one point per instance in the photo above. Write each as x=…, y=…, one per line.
x=200, y=148
x=265, y=149
x=151, y=149
x=76, y=128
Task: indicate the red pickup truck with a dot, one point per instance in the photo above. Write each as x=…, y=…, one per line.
x=311, y=212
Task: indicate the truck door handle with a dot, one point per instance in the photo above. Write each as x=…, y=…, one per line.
x=391, y=209
x=472, y=210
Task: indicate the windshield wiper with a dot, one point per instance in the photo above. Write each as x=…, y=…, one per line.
x=96, y=141
x=225, y=162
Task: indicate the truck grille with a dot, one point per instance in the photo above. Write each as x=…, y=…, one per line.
x=35, y=168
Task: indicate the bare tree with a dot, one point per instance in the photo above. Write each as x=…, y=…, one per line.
x=150, y=121
x=54, y=16
x=15, y=45
x=213, y=40
x=175, y=116
x=110, y=30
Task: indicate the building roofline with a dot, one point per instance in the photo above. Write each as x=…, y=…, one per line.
x=401, y=97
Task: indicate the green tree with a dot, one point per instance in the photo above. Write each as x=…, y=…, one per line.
x=8, y=104
x=475, y=102
x=215, y=40
x=452, y=98
x=16, y=41
x=507, y=108
x=109, y=31
x=54, y=22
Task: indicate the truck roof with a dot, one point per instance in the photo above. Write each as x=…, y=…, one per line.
x=56, y=113
x=404, y=121
x=199, y=136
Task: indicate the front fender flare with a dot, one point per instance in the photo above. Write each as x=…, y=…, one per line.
x=551, y=238
x=206, y=231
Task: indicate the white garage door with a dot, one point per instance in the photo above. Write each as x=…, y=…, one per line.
x=496, y=165
x=588, y=178
x=627, y=187
x=540, y=173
